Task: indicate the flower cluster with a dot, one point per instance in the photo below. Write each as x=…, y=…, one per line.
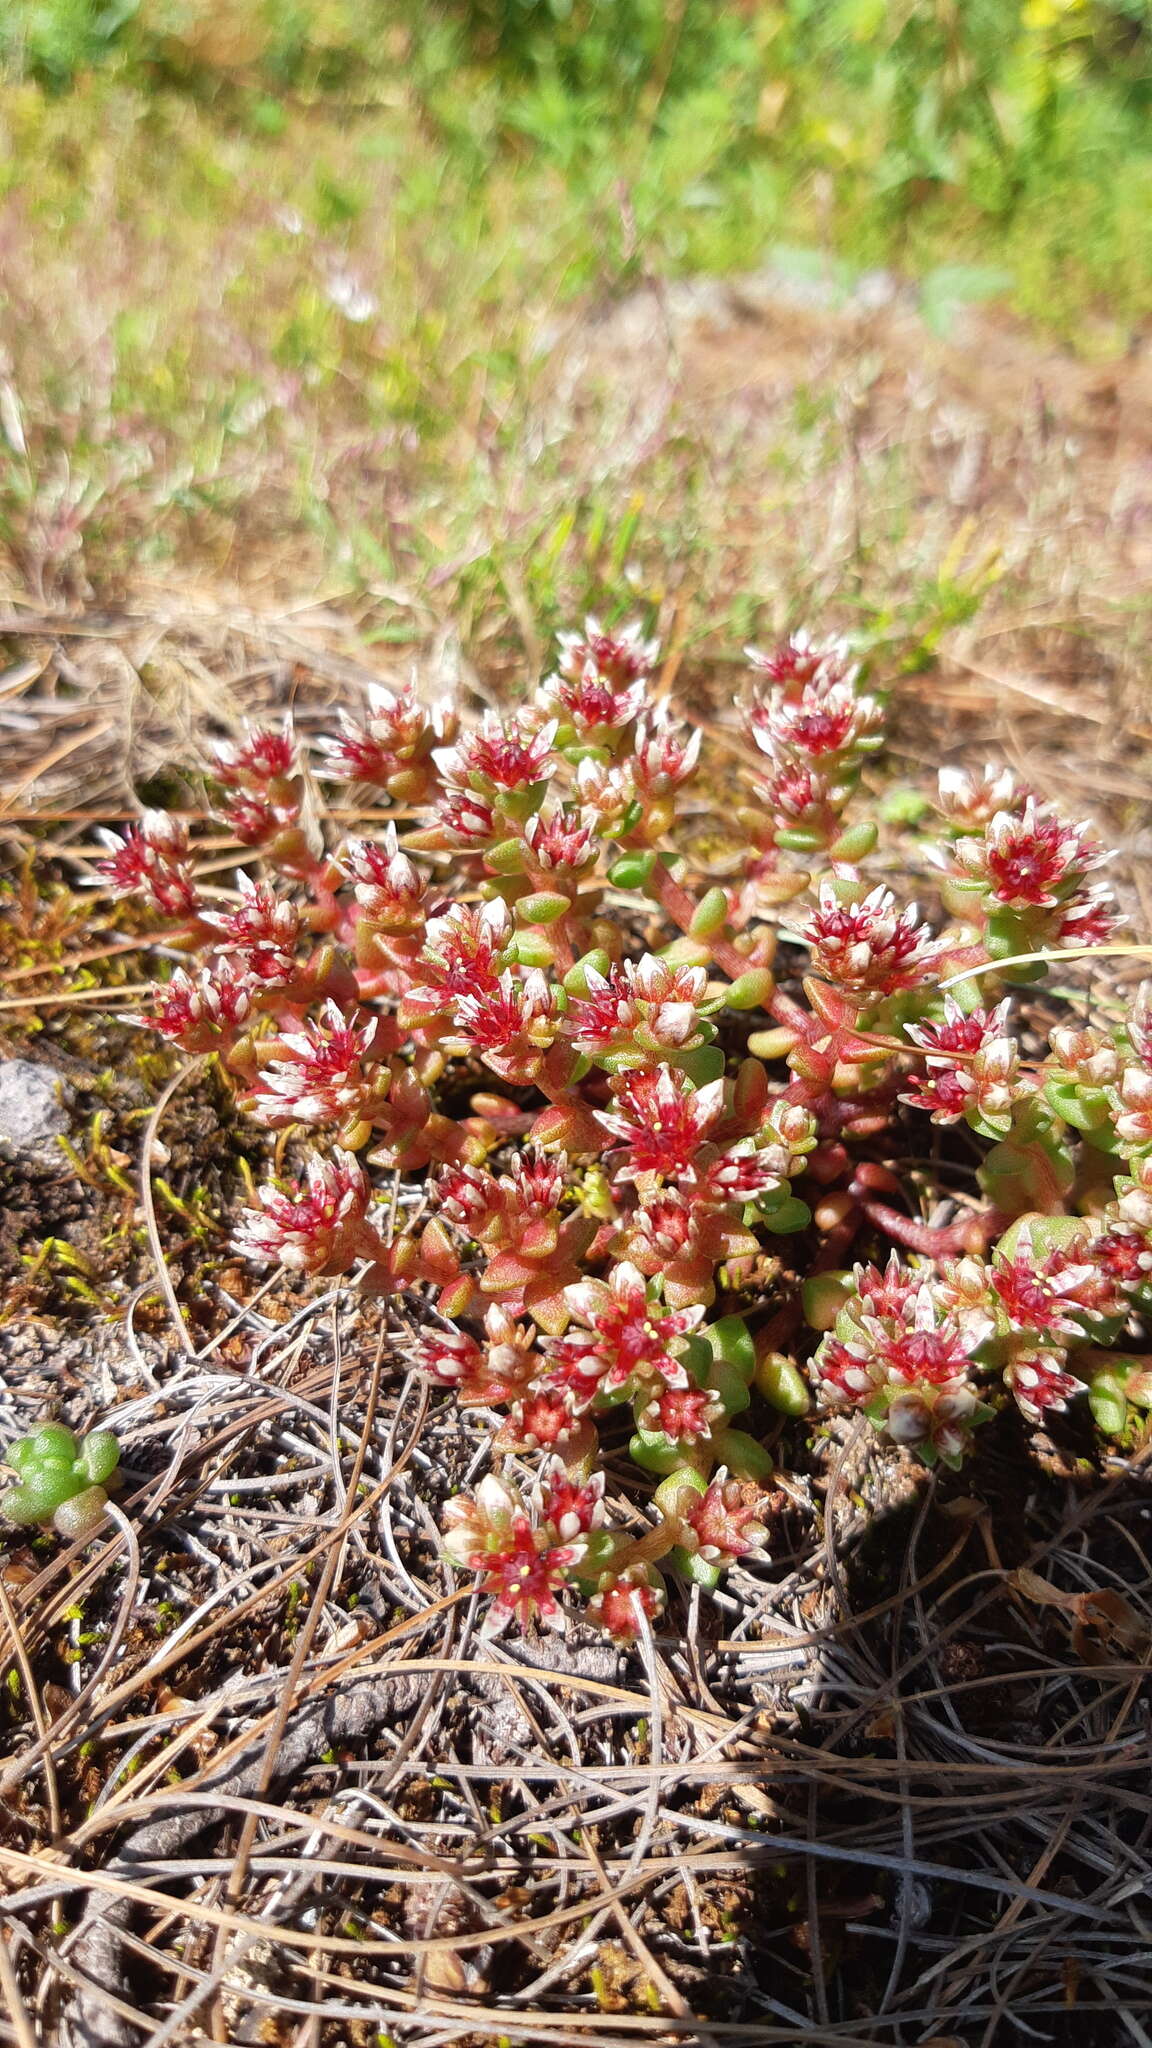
x=526, y=1548
x=816, y=729
x=151, y=861
x=392, y=746
x=867, y=948
x=900, y=1350
x=972, y=1068
x=1024, y=877
x=262, y=800
x=555, y=1095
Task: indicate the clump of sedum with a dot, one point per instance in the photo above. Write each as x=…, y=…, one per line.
x=646, y=1164
x=61, y=1479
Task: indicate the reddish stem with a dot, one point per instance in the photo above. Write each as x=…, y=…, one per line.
x=944, y=1241
x=787, y=1011
x=681, y=908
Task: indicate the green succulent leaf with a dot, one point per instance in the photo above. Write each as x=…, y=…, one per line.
x=100, y=1456
x=705, y=1063
x=744, y=1457
x=60, y=1480
x=656, y=1452
x=783, y=1384
x=731, y=1342
x=728, y=1382
x=632, y=870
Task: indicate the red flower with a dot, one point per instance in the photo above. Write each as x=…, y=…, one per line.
x=1134, y=1102
x=591, y=703
x=1043, y=1293
x=510, y=1026
x=152, y=861
x=685, y=1413
x=329, y=1073
x=260, y=758
x=802, y=661
x=662, y=1121
x=606, y=1015
x=541, y=1419
x=644, y=1006
x=573, y=1372
x=626, y=1600
x=464, y=819
x=470, y=1197
x=318, y=1226
x=502, y=754
x=264, y=803
x=969, y=800
x=399, y=732
x=664, y=1228
x=563, y=838
x=255, y=819
x=662, y=758
x=464, y=954
x=466, y=949
x=519, y=1548
x=827, y=721
x=972, y=1066
x=901, y=1350
x=799, y=795
x=947, y=1095
x=385, y=882
x=1038, y=1383
x=626, y=1338
x=723, y=1524
x=935, y=1357
x=959, y=1035
x=1088, y=918
x=867, y=948
x=1123, y=1254
x=607, y=788
x=264, y=931
x=1032, y=859
x=574, y=1507
x=447, y=1356
x=206, y=1012
x=534, y=1184
x=620, y=659
x=891, y=1290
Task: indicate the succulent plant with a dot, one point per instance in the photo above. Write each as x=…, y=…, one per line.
x=664, y=1152
x=61, y=1478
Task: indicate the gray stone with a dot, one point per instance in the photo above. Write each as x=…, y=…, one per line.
x=33, y=1112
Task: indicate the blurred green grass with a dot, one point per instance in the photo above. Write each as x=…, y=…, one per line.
x=283, y=279
x=1013, y=125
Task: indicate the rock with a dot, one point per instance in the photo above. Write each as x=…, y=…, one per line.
x=33, y=1112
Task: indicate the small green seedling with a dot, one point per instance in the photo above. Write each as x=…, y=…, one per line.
x=61, y=1479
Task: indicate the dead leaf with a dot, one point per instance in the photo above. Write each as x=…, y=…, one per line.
x=1103, y=1613
x=1039, y=1590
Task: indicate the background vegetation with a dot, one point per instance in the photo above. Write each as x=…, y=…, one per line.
x=284, y=283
